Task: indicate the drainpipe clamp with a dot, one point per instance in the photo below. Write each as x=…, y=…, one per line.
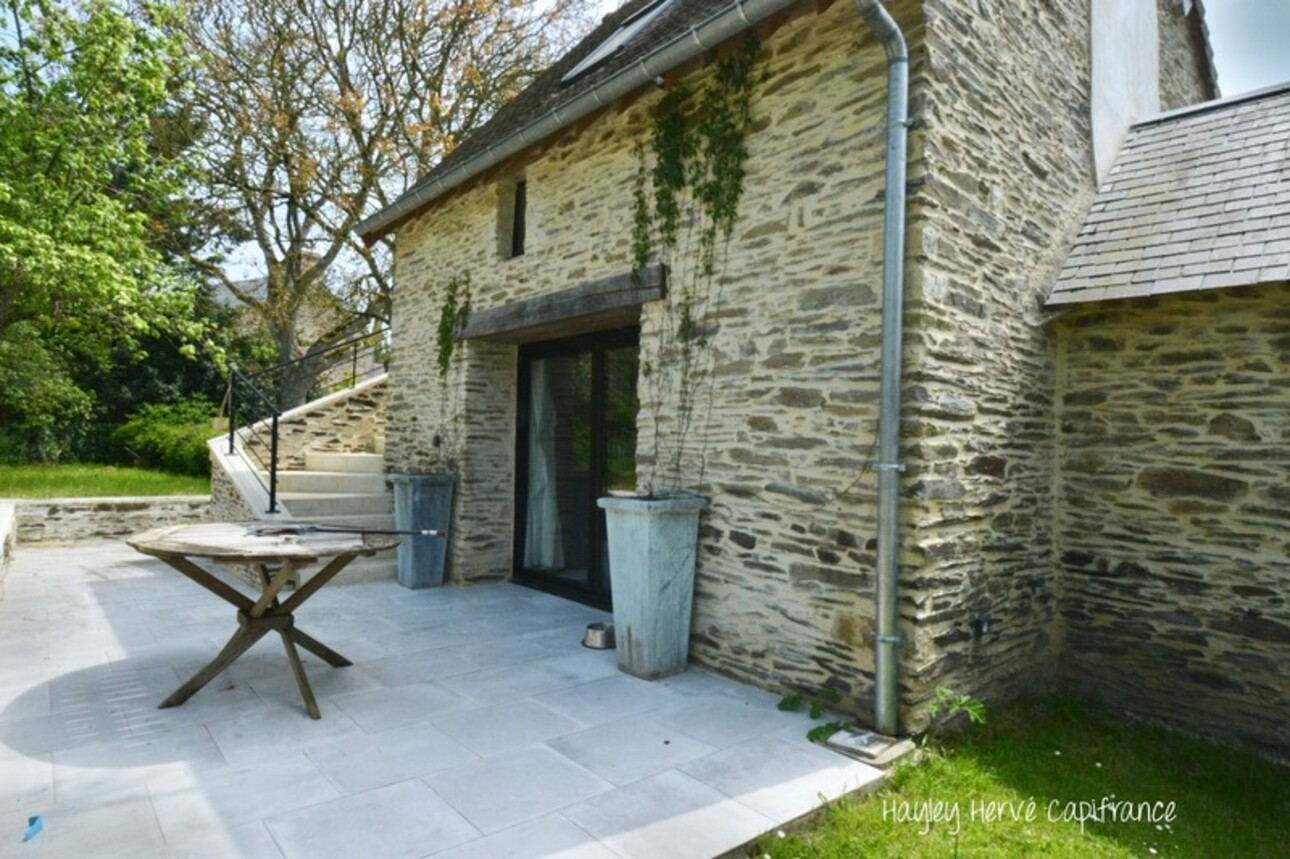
x=889, y=466
x=888, y=639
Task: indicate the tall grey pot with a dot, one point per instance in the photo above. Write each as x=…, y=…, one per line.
x=652, y=545
x=422, y=502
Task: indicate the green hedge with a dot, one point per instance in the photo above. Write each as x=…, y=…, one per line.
x=171, y=437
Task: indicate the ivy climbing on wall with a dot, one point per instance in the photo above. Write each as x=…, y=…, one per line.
x=687, y=190
x=453, y=315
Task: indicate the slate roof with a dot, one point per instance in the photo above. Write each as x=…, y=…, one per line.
x=546, y=92
x=1198, y=198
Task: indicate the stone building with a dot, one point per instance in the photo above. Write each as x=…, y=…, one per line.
x=1173, y=412
x=1007, y=569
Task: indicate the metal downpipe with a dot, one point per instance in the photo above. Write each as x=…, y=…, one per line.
x=887, y=639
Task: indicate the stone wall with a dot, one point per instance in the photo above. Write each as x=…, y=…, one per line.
x=227, y=504
x=8, y=539
x=1006, y=177
x=1175, y=508
x=351, y=421
x=1182, y=58
x=1000, y=176
x=65, y=520
x=1003, y=177
x=784, y=594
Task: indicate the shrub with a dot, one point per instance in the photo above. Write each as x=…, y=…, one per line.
x=170, y=436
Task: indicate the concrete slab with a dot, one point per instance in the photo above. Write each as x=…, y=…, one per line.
x=473, y=723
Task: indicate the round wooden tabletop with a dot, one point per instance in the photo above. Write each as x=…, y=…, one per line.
x=248, y=542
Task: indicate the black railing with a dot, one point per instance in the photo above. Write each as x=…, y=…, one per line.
x=256, y=401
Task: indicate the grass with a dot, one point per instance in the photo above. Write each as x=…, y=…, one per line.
x=1226, y=802
x=94, y=481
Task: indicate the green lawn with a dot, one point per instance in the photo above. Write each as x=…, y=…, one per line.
x=1073, y=761
x=94, y=481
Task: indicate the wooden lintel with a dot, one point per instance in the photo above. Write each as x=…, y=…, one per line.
x=611, y=302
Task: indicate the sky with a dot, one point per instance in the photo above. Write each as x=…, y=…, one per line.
x=1251, y=42
x=1250, y=38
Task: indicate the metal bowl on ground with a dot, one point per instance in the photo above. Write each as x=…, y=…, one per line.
x=599, y=636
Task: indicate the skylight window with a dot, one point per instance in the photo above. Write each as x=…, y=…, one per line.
x=617, y=40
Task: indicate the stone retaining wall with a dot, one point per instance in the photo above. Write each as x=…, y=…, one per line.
x=351, y=421
x=1175, y=508
x=66, y=520
x=8, y=538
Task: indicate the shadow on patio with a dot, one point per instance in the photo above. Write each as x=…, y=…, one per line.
x=472, y=723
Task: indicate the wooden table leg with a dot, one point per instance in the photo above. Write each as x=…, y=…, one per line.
x=258, y=617
x=306, y=692
x=237, y=645
x=317, y=648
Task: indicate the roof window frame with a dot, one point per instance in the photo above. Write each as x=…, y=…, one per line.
x=616, y=41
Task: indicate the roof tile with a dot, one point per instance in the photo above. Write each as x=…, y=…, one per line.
x=1199, y=199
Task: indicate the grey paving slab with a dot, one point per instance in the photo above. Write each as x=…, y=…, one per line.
x=26, y=782
x=402, y=820
x=668, y=815
x=387, y=707
x=116, y=827
x=631, y=749
x=399, y=754
x=779, y=776
x=721, y=721
x=515, y=787
x=256, y=735
x=489, y=731
x=609, y=699
x=473, y=724
x=189, y=802
x=212, y=838
x=552, y=835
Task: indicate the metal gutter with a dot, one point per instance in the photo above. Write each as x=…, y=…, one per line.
x=887, y=638
x=694, y=42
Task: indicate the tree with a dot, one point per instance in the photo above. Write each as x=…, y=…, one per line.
x=318, y=112
x=81, y=271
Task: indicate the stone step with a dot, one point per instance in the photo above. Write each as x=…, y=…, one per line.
x=306, y=506
x=331, y=482
x=379, y=521
x=350, y=463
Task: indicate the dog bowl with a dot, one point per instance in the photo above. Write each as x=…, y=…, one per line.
x=599, y=636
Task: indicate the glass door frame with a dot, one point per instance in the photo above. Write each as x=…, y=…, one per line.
x=594, y=592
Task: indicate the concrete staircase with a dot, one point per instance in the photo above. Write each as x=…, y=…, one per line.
x=342, y=489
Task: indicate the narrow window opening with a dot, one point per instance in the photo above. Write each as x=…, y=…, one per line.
x=517, y=219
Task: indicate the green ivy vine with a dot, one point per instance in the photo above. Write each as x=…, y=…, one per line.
x=685, y=209
x=699, y=147
x=453, y=316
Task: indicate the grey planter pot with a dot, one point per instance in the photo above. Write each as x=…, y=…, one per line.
x=652, y=545
x=422, y=501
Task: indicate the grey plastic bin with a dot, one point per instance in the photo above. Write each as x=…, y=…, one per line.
x=422, y=501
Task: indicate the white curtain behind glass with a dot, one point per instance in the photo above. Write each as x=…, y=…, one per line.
x=543, y=548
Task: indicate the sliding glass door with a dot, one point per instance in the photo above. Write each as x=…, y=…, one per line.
x=577, y=441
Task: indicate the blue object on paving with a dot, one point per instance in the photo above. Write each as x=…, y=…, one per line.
x=34, y=826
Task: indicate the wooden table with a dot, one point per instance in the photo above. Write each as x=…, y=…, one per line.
x=276, y=560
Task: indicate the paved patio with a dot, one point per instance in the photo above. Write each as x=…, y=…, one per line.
x=472, y=724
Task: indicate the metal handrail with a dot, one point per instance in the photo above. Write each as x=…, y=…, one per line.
x=335, y=347
x=266, y=406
